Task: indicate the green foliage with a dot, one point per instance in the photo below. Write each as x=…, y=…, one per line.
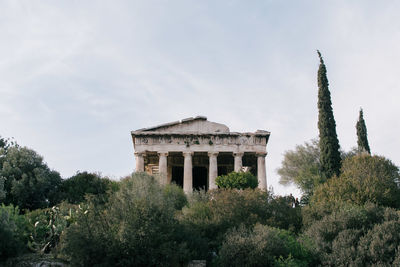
x=362, y=139
x=3, y=142
x=2, y=190
x=75, y=188
x=380, y=244
x=29, y=183
x=175, y=194
x=137, y=227
x=14, y=232
x=302, y=167
x=364, y=179
x=357, y=236
x=6, y=143
x=328, y=141
x=282, y=215
x=262, y=246
x=238, y=180
x=47, y=226
x=213, y=213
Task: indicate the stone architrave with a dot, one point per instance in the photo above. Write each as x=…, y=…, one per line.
x=261, y=172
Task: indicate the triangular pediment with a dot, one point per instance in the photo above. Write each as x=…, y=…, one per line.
x=198, y=124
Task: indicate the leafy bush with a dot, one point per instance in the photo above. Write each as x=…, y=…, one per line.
x=29, y=183
x=364, y=178
x=175, y=194
x=262, y=246
x=137, y=227
x=47, y=226
x=14, y=232
x=213, y=213
x=75, y=188
x=357, y=236
x=238, y=180
x=380, y=244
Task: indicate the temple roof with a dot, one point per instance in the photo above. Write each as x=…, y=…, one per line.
x=194, y=125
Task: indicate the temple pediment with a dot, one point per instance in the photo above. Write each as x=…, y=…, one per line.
x=198, y=124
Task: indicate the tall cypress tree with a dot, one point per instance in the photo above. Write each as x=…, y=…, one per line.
x=362, y=140
x=328, y=142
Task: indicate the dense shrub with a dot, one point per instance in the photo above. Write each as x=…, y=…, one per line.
x=47, y=226
x=357, y=236
x=75, y=188
x=137, y=227
x=175, y=195
x=380, y=244
x=238, y=180
x=215, y=212
x=29, y=183
x=364, y=178
x=262, y=246
x=14, y=232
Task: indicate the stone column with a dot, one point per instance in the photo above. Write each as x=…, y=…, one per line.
x=139, y=161
x=212, y=170
x=261, y=174
x=162, y=166
x=187, y=172
x=238, y=161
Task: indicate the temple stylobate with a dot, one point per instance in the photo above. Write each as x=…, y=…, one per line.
x=194, y=151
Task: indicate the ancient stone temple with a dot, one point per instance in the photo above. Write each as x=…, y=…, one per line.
x=194, y=151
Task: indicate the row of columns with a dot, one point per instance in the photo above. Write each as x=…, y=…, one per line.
x=212, y=170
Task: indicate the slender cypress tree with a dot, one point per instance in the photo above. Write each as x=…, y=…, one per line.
x=328, y=142
x=362, y=140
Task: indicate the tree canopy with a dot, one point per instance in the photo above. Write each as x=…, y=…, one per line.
x=28, y=181
x=301, y=167
x=364, y=179
x=75, y=188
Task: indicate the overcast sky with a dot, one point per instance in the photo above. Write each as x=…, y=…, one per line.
x=77, y=76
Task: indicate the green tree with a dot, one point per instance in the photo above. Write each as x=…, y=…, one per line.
x=2, y=191
x=364, y=179
x=328, y=141
x=75, y=188
x=29, y=183
x=301, y=167
x=238, y=180
x=13, y=232
x=3, y=142
x=362, y=140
